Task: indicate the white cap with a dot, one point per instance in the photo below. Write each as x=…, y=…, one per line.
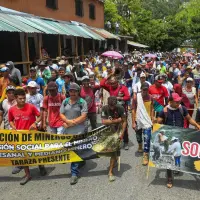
x=142, y=75
x=62, y=62
x=33, y=84
x=189, y=79
x=174, y=138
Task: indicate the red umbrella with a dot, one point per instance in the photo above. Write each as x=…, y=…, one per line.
x=188, y=55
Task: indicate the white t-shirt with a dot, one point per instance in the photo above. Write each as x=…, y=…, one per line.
x=169, y=86
x=36, y=100
x=175, y=148
x=137, y=86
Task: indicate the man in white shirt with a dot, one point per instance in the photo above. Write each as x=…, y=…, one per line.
x=34, y=97
x=137, y=86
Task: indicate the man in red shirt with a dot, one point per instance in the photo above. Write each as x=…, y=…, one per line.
x=51, y=106
x=159, y=94
x=111, y=84
x=23, y=117
x=88, y=94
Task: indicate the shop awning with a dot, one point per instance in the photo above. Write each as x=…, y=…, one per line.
x=18, y=25
x=135, y=44
x=7, y=27
x=104, y=33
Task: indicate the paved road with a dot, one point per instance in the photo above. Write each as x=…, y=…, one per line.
x=131, y=183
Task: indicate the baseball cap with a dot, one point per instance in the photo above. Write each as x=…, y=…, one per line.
x=9, y=63
x=189, y=67
x=10, y=87
x=159, y=79
x=43, y=63
x=142, y=75
x=62, y=62
x=61, y=69
x=52, y=86
x=85, y=78
x=176, y=97
x=32, y=84
x=33, y=69
x=74, y=86
x=108, y=65
x=189, y=79
x=4, y=69
x=144, y=86
x=174, y=138
x=70, y=75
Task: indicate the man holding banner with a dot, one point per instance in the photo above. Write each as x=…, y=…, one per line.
x=73, y=112
x=174, y=115
x=114, y=115
x=23, y=117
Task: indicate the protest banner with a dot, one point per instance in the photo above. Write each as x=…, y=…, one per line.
x=27, y=148
x=175, y=148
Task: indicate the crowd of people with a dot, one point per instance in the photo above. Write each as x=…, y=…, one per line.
x=66, y=98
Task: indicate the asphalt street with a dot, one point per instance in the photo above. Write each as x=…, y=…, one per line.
x=131, y=182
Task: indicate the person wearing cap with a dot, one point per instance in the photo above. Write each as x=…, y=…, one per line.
x=142, y=118
x=175, y=149
x=114, y=115
x=190, y=92
x=5, y=80
x=60, y=80
x=174, y=114
x=73, y=113
x=51, y=65
x=99, y=69
x=137, y=86
x=88, y=93
x=43, y=72
x=111, y=84
x=15, y=73
x=37, y=79
x=24, y=116
x=196, y=73
x=68, y=66
x=107, y=71
x=167, y=83
x=78, y=73
x=51, y=106
x=62, y=64
x=33, y=97
x=128, y=80
x=5, y=105
x=69, y=78
x=159, y=94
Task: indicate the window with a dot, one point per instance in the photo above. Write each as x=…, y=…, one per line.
x=53, y=4
x=79, y=7
x=92, y=11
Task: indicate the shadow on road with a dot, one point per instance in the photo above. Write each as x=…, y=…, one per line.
x=179, y=183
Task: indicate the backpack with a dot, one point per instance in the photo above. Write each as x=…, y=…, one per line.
x=165, y=110
x=80, y=102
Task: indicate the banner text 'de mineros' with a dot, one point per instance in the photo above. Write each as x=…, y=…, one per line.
x=26, y=148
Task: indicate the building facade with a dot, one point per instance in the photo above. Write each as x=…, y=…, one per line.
x=90, y=12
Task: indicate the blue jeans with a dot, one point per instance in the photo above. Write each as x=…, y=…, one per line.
x=177, y=161
x=130, y=90
x=58, y=130
x=146, y=138
x=75, y=168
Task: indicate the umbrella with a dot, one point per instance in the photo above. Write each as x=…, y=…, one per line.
x=150, y=55
x=188, y=55
x=112, y=54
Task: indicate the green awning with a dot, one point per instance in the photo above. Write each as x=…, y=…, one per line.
x=7, y=27
x=135, y=44
x=77, y=30
x=90, y=33
x=50, y=27
x=14, y=22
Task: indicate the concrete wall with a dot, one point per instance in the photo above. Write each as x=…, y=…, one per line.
x=65, y=11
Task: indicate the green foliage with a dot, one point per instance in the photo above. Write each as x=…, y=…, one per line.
x=160, y=24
